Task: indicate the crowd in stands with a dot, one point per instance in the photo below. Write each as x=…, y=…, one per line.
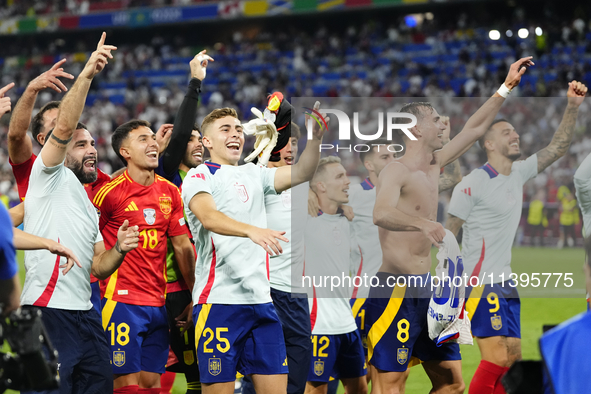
x=374, y=59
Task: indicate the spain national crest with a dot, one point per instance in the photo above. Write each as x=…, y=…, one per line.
x=402, y=355
x=150, y=216
x=215, y=366
x=318, y=367
x=188, y=356
x=242, y=193
x=119, y=358
x=166, y=205
x=496, y=322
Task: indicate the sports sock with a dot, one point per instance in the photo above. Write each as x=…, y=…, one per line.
x=131, y=389
x=194, y=387
x=499, y=389
x=485, y=378
x=149, y=391
x=166, y=382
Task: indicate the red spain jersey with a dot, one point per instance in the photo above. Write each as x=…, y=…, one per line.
x=22, y=172
x=158, y=211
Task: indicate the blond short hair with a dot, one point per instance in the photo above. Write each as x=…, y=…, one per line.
x=215, y=115
x=321, y=170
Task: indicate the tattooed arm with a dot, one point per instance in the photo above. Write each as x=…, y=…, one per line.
x=454, y=224
x=451, y=174
x=563, y=136
x=54, y=150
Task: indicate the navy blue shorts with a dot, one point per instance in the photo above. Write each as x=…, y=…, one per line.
x=243, y=338
x=398, y=337
x=138, y=337
x=337, y=356
x=358, y=309
x=95, y=296
x=494, y=310
x=84, y=365
x=294, y=314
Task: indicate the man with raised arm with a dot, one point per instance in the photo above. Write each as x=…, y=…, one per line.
x=57, y=207
x=20, y=146
x=406, y=212
x=236, y=325
x=487, y=204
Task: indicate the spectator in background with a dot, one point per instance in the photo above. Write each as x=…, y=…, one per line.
x=536, y=217
x=569, y=216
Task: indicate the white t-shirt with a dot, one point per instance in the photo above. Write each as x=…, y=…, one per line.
x=490, y=204
x=362, y=198
x=331, y=251
x=230, y=270
x=57, y=207
x=582, y=182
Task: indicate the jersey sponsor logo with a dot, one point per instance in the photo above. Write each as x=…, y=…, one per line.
x=131, y=207
x=215, y=366
x=199, y=176
x=166, y=205
x=182, y=221
x=150, y=216
x=188, y=357
x=496, y=322
x=467, y=191
x=402, y=355
x=242, y=193
x=510, y=198
x=119, y=358
x=318, y=368
x=122, y=292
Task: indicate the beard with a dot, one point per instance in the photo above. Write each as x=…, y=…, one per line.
x=78, y=169
x=511, y=156
x=190, y=161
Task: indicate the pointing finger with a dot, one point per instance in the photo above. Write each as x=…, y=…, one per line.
x=58, y=64
x=6, y=88
x=102, y=40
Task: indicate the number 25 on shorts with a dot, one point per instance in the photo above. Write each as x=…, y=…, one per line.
x=208, y=333
x=122, y=333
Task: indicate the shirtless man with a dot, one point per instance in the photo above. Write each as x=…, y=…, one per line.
x=406, y=212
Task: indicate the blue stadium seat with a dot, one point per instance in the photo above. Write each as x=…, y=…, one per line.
x=334, y=76
x=117, y=98
x=417, y=47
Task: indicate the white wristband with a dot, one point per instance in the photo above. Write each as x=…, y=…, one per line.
x=504, y=91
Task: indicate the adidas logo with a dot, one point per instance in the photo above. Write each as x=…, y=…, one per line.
x=131, y=207
x=467, y=191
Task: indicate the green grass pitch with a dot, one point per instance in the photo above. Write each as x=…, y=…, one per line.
x=535, y=312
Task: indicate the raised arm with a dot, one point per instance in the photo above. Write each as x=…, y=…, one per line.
x=386, y=213
x=480, y=122
x=203, y=207
x=289, y=176
x=105, y=262
x=20, y=147
x=185, y=117
x=451, y=175
x=564, y=135
x=54, y=150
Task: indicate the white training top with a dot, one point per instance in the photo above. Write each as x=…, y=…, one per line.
x=490, y=204
x=362, y=198
x=57, y=207
x=230, y=270
x=331, y=252
x=583, y=190
x=279, y=217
